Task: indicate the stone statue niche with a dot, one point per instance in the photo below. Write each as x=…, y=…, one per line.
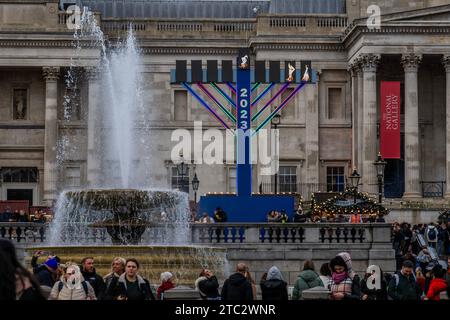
x=20, y=104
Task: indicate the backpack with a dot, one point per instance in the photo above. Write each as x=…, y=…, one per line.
x=397, y=281
x=432, y=234
x=83, y=283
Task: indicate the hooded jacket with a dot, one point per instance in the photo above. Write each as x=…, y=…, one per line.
x=237, y=287
x=207, y=287
x=306, y=279
x=356, y=286
x=72, y=292
x=118, y=288
x=274, y=287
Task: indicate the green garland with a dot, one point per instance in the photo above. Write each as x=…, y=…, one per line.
x=365, y=205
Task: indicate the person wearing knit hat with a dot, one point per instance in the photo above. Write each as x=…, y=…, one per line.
x=52, y=263
x=167, y=284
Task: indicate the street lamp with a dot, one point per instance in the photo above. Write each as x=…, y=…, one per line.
x=276, y=120
x=355, y=177
x=182, y=169
x=380, y=165
x=195, y=185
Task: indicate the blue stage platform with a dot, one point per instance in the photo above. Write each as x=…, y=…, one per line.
x=247, y=209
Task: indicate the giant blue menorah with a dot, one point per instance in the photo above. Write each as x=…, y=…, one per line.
x=243, y=80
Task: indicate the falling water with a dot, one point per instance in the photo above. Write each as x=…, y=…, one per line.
x=118, y=115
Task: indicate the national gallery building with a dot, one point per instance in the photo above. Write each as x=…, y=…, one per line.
x=331, y=127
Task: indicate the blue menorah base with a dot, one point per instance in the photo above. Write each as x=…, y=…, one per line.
x=246, y=209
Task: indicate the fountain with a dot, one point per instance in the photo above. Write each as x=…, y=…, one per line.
x=120, y=214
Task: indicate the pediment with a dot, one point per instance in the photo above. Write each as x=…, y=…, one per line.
x=433, y=14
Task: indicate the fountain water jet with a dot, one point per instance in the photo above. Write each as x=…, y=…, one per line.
x=123, y=204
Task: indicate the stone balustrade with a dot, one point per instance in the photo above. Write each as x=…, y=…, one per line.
x=23, y=232
x=290, y=233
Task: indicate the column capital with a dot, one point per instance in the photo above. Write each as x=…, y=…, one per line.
x=411, y=62
x=369, y=62
x=354, y=68
x=446, y=63
x=92, y=73
x=50, y=73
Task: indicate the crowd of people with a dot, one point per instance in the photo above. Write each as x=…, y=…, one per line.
x=21, y=216
x=300, y=216
x=55, y=280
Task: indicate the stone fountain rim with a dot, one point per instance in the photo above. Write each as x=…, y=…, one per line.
x=132, y=247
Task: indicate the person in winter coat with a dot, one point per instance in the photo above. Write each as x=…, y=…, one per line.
x=274, y=287
x=373, y=286
x=17, y=283
x=307, y=279
x=72, y=286
x=437, y=285
x=45, y=273
x=207, y=285
x=166, y=284
x=220, y=215
x=117, y=269
x=403, y=285
x=431, y=234
x=237, y=287
x=91, y=276
x=130, y=285
x=344, y=282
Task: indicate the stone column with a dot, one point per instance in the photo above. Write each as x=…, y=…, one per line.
x=93, y=162
x=51, y=76
x=369, y=63
x=411, y=63
x=312, y=136
x=353, y=70
x=446, y=62
x=360, y=107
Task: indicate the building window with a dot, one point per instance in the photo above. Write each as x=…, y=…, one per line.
x=72, y=177
x=20, y=103
x=231, y=180
x=180, y=105
x=334, y=103
x=180, y=182
x=287, y=179
x=19, y=175
x=335, y=179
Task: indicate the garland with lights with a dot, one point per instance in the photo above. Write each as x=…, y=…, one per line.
x=330, y=208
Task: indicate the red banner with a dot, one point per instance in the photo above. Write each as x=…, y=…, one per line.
x=390, y=120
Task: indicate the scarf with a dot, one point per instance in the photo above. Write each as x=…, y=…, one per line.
x=166, y=285
x=339, y=277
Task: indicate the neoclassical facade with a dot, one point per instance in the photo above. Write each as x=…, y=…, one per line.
x=330, y=128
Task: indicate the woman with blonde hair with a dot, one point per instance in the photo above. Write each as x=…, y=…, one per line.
x=117, y=269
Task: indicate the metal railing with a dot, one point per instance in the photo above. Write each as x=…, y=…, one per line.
x=433, y=189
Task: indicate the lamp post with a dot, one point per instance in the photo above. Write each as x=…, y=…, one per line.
x=195, y=185
x=275, y=122
x=355, y=177
x=380, y=165
x=182, y=170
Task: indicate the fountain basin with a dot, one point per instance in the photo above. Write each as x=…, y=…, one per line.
x=184, y=262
